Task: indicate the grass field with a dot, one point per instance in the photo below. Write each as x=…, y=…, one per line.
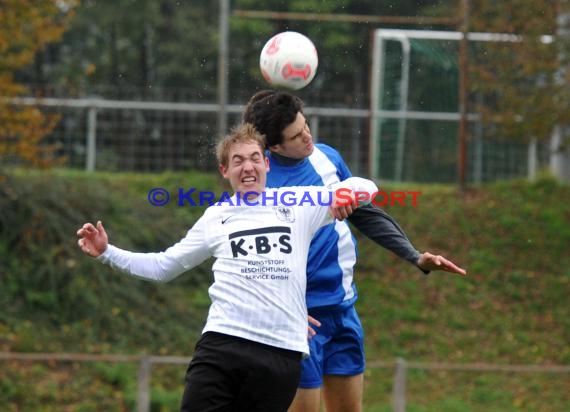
x=513, y=237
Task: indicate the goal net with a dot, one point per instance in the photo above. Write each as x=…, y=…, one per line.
x=416, y=115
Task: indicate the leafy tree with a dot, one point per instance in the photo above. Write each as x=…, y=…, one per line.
x=169, y=49
x=135, y=49
x=26, y=27
x=521, y=82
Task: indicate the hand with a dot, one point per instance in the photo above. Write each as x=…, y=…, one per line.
x=342, y=208
x=427, y=261
x=94, y=240
x=315, y=322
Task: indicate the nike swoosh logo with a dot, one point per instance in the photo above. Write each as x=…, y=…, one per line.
x=226, y=219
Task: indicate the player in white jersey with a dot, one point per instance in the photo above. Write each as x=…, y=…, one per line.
x=335, y=367
x=248, y=358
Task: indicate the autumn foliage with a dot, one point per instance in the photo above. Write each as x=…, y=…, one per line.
x=27, y=26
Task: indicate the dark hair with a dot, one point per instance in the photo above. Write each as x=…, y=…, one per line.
x=254, y=99
x=270, y=112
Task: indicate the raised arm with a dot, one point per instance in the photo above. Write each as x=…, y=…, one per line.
x=93, y=240
x=159, y=267
x=350, y=194
x=383, y=229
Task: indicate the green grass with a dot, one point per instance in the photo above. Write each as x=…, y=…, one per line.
x=513, y=237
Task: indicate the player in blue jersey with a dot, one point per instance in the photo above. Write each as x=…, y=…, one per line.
x=335, y=367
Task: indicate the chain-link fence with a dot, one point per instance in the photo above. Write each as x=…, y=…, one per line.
x=142, y=136
x=156, y=136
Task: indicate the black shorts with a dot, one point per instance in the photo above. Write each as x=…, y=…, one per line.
x=228, y=373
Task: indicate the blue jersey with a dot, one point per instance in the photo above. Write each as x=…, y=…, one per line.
x=332, y=254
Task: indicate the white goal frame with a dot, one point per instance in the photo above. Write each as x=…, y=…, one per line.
x=380, y=37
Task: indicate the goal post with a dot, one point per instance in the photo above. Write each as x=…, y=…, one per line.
x=415, y=111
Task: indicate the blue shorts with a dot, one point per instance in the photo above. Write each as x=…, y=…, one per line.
x=336, y=349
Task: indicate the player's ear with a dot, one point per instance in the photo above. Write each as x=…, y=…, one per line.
x=223, y=171
x=276, y=148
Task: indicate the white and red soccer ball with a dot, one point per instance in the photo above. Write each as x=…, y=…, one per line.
x=289, y=59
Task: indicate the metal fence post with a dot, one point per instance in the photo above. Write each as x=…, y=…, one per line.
x=143, y=392
x=399, y=388
x=532, y=159
x=91, y=138
x=223, y=63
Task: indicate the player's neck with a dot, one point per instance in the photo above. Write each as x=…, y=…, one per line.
x=284, y=160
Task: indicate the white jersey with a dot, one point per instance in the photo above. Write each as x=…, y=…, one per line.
x=261, y=253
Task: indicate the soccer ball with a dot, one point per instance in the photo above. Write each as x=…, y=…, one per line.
x=289, y=59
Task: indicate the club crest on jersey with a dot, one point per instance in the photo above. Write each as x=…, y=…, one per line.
x=285, y=214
